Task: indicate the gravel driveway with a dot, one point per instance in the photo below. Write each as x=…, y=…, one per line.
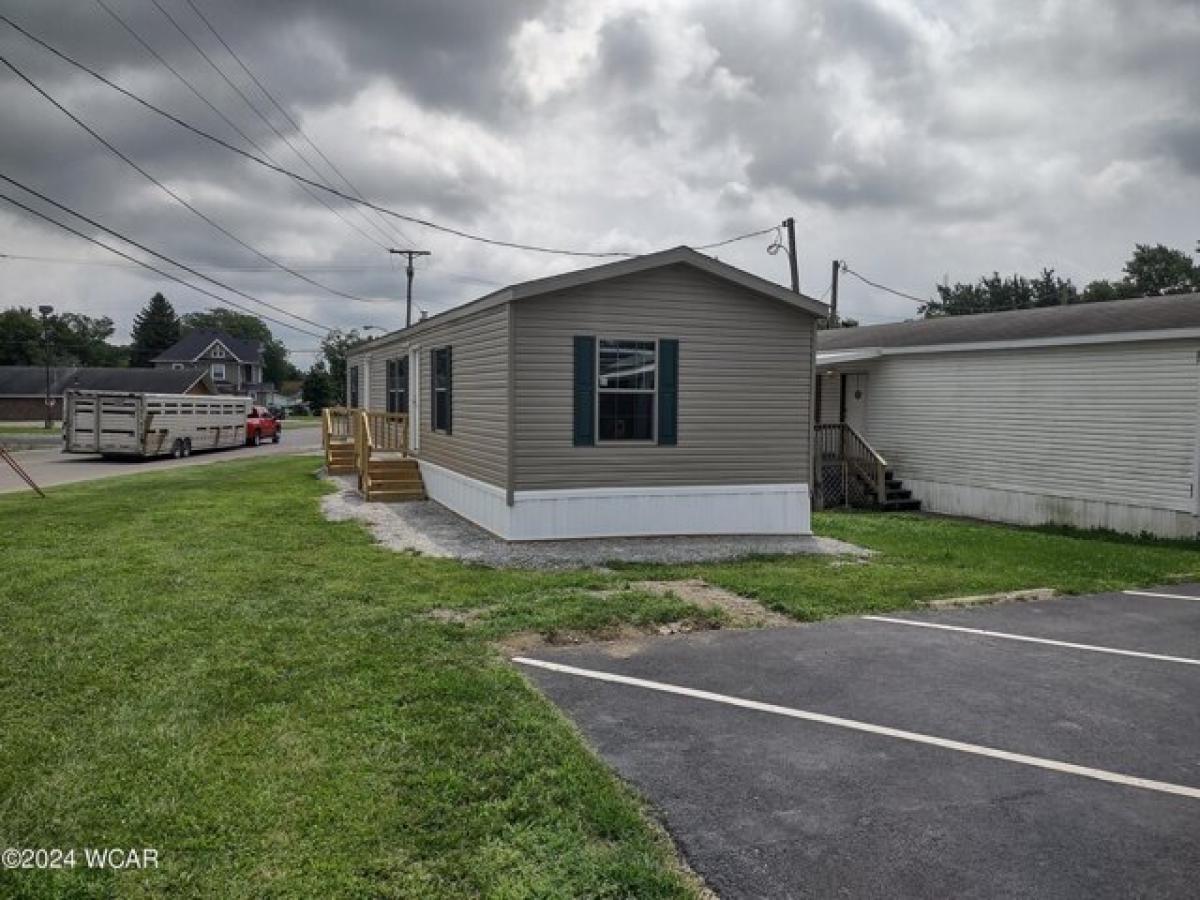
x=429, y=528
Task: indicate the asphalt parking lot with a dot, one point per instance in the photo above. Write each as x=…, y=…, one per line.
x=1055, y=755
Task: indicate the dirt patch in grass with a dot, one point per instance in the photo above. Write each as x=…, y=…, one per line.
x=625, y=640
x=741, y=611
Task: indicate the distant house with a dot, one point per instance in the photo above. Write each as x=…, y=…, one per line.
x=665, y=394
x=1085, y=415
x=234, y=365
x=23, y=388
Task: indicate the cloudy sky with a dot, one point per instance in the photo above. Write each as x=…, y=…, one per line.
x=916, y=140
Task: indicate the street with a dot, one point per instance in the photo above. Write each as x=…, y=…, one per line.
x=50, y=467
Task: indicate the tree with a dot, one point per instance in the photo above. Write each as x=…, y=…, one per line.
x=276, y=367
x=1160, y=270
x=994, y=293
x=155, y=329
x=319, y=390
x=334, y=348
x=75, y=339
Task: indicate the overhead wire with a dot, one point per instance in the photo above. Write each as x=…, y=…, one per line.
x=288, y=117
x=223, y=300
x=416, y=220
x=251, y=105
x=882, y=287
x=171, y=193
x=157, y=254
x=228, y=121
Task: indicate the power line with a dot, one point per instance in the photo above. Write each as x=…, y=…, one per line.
x=170, y=193
x=882, y=287
x=146, y=265
x=228, y=121
x=299, y=267
x=515, y=245
x=740, y=237
x=158, y=255
x=288, y=118
x=250, y=103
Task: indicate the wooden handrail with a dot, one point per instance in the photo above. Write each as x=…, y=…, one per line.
x=839, y=442
x=382, y=431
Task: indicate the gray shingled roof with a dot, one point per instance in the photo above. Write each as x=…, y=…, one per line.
x=192, y=344
x=1113, y=317
x=30, y=381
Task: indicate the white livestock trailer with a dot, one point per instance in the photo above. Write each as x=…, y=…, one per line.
x=116, y=423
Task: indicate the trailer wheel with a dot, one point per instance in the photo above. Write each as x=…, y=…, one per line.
x=187, y=446
x=177, y=449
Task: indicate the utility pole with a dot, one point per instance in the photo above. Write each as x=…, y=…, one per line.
x=45, y=311
x=790, y=224
x=833, y=288
x=409, y=270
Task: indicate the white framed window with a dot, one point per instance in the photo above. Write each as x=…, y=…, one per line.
x=441, y=397
x=397, y=385
x=218, y=371
x=353, y=393
x=218, y=352
x=177, y=366
x=626, y=388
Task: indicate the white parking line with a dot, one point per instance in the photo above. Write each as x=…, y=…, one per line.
x=1035, y=640
x=1158, y=594
x=976, y=749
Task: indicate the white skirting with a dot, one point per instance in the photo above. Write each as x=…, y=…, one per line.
x=1028, y=508
x=622, y=512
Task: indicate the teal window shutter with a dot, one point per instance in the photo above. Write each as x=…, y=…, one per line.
x=668, y=392
x=449, y=390
x=585, y=391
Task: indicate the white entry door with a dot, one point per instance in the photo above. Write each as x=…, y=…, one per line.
x=854, y=399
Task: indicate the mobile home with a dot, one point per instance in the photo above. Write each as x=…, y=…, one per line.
x=665, y=394
x=1085, y=415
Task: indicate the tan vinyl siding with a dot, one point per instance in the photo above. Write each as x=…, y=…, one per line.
x=744, y=383
x=1110, y=422
x=478, y=444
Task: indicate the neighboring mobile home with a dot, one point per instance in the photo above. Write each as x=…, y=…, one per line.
x=1084, y=415
x=665, y=394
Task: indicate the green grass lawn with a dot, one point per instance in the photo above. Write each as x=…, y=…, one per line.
x=195, y=661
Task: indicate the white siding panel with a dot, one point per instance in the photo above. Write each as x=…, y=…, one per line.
x=1110, y=423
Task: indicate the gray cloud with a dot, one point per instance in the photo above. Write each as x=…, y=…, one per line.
x=917, y=139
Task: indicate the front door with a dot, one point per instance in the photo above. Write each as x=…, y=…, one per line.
x=854, y=401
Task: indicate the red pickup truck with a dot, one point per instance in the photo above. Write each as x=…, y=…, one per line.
x=260, y=425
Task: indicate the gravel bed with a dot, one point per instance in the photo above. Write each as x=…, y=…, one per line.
x=429, y=528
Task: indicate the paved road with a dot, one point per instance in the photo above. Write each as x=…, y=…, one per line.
x=779, y=802
x=51, y=467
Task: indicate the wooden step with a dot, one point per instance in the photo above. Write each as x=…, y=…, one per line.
x=901, y=506
x=390, y=483
x=395, y=496
x=395, y=465
x=333, y=469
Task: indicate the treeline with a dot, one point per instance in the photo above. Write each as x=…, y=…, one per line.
x=1151, y=271
x=73, y=339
